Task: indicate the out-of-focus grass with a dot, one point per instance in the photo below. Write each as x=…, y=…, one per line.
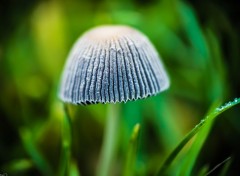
x=199, y=47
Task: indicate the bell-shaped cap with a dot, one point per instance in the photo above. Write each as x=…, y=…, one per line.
x=110, y=64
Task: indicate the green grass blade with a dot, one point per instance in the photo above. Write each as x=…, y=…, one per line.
x=188, y=162
x=74, y=169
x=163, y=170
x=66, y=144
x=176, y=151
x=203, y=171
x=193, y=30
x=132, y=151
x=32, y=150
x=18, y=166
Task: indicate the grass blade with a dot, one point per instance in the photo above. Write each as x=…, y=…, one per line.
x=74, y=169
x=188, y=162
x=195, y=130
x=132, y=151
x=226, y=167
x=203, y=171
x=66, y=143
x=217, y=166
x=37, y=158
x=18, y=166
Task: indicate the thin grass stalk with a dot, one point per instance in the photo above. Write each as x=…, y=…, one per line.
x=66, y=144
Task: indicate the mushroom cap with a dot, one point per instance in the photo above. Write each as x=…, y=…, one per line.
x=110, y=64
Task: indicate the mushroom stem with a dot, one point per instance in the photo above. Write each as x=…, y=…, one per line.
x=109, y=140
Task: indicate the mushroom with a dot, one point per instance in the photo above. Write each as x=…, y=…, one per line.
x=111, y=64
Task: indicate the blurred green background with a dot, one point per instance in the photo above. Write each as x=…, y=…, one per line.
x=199, y=42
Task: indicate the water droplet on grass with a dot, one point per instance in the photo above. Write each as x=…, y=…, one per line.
x=236, y=100
x=219, y=109
x=227, y=105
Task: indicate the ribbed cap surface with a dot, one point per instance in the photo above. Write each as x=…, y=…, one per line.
x=110, y=64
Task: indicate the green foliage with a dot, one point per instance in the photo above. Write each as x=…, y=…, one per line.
x=199, y=44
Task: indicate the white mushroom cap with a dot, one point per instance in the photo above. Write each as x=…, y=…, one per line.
x=110, y=64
